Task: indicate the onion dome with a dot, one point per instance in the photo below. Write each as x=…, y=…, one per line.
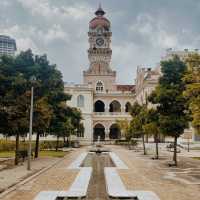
x=100, y=20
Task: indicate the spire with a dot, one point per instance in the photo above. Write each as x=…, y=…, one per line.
x=100, y=11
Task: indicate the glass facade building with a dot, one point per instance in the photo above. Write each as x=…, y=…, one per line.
x=7, y=46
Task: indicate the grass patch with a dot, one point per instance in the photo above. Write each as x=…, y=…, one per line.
x=195, y=148
x=196, y=158
x=7, y=154
x=59, y=154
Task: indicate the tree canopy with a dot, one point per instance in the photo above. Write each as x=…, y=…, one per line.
x=168, y=96
x=192, y=91
x=15, y=90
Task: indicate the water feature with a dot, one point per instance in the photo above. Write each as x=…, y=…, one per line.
x=97, y=186
x=98, y=147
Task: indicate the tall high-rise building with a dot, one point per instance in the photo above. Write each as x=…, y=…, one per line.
x=7, y=45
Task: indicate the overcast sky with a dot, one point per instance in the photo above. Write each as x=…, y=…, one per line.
x=142, y=31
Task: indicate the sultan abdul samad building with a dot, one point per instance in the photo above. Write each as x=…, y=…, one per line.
x=101, y=100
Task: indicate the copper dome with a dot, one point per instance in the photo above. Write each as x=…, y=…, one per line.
x=100, y=20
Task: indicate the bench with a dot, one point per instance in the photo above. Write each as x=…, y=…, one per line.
x=117, y=190
x=114, y=185
x=76, y=164
x=117, y=161
x=80, y=185
x=78, y=189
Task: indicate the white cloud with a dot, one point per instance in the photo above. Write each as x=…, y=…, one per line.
x=154, y=31
x=40, y=7
x=53, y=33
x=45, y=9
x=5, y=3
x=76, y=12
x=26, y=43
x=23, y=38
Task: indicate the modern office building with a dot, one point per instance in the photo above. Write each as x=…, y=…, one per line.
x=7, y=46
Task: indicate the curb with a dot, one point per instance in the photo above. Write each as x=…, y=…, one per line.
x=15, y=186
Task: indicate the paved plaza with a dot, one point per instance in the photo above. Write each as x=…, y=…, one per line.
x=143, y=173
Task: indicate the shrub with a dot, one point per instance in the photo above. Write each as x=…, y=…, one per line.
x=9, y=145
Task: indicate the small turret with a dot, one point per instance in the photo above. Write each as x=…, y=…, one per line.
x=100, y=11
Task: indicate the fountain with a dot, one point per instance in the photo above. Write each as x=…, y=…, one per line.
x=98, y=147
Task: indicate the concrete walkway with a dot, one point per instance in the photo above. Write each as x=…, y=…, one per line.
x=143, y=173
x=147, y=174
x=10, y=177
x=55, y=178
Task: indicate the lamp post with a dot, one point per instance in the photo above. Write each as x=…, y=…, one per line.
x=30, y=125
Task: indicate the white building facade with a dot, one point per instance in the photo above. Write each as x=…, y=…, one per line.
x=101, y=100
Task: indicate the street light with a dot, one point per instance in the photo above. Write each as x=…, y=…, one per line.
x=32, y=79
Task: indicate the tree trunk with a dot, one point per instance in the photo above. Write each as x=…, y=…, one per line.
x=37, y=142
x=57, y=142
x=188, y=145
x=64, y=139
x=147, y=138
x=143, y=143
x=157, y=154
x=17, y=149
x=175, y=151
x=67, y=141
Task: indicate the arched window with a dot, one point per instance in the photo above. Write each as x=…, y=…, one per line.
x=115, y=132
x=80, y=101
x=99, y=31
x=115, y=106
x=99, y=106
x=99, y=132
x=99, y=86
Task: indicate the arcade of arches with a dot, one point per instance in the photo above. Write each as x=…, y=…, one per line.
x=114, y=106
x=109, y=130
x=101, y=133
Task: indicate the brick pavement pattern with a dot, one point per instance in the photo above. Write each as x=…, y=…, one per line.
x=143, y=174
x=147, y=174
x=56, y=178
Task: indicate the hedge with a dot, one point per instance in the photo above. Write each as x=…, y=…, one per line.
x=9, y=145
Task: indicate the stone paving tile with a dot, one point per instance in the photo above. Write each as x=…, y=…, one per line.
x=147, y=174
x=56, y=178
x=13, y=175
x=143, y=174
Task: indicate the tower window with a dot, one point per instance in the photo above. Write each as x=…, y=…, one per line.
x=99, y=86
x=99, y=31
x=80, y=101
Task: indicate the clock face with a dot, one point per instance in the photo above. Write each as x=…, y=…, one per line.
x=99, y=41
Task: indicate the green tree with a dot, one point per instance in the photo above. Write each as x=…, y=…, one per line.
x=137, y=123
x=170, y=100
x=124, y=126
x=192, y=91
x=48, y=88
x=15, y=85
x=41, y=121
x=152, y=127
x=13, y=101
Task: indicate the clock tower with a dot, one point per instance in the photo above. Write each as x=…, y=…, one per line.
x=99, y=54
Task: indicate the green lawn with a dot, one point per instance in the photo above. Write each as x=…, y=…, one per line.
x=60, y=154
x=7, y=154
x=197, y=158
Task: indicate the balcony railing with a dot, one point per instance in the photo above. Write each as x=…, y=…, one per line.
x=111, y=113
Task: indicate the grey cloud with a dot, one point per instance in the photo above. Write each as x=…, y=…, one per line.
x=142, y=30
